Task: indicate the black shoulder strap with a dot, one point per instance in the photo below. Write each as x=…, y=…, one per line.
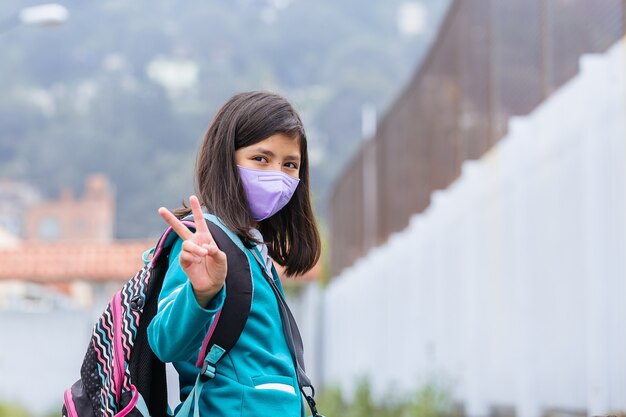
x=231, y=319
x=228, y=326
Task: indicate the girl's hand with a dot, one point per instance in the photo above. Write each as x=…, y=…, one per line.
x=201, y=259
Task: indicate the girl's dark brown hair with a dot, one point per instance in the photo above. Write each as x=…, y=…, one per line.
x=291, y=234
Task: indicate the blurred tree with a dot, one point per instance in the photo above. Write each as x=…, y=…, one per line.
x=79, y=98
x=12, y=410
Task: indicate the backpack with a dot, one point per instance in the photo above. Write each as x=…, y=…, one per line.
x=121, y=376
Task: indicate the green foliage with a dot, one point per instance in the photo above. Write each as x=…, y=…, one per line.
x=330, y=403
x=363, y=404
x=12, y=410
x=431, y=400
x=78, y=98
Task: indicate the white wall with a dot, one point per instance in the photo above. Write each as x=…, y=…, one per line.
x=43, y=340
x=40, y=355
x=512, y=284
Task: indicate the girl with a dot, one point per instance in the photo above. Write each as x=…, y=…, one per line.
x=252, y=175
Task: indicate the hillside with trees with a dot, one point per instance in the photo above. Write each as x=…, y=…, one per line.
x=128, y=88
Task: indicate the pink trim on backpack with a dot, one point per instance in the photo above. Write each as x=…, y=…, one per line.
x=69, y=403
x=205, y=343
x=159, y=247
x=165, y=238
x=118, y=351
x=131, y=404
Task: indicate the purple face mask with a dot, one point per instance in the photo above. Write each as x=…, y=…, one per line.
x=267, y=191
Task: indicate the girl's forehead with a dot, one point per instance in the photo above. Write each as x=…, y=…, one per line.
x=278, y=142
x=280, y=138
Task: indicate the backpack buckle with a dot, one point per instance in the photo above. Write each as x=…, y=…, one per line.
x=212, y=357
x=208, y=370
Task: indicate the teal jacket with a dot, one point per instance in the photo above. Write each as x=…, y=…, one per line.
x=257, y=377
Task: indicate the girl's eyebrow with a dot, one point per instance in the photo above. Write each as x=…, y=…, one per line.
x=263, y=151
x=292, y=158
x=272, y=155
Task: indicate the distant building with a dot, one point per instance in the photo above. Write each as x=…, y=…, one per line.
x=88, y=219
x=66, y=245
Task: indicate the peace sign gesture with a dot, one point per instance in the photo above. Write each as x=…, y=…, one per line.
x=201, y=259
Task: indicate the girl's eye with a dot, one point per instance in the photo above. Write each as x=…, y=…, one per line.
x=291, y=165
x=260, y=159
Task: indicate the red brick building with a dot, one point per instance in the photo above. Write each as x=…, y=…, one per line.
x=68, y=243
x=89, y=219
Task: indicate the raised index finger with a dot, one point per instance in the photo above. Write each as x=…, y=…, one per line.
x=198, y=217
x=180, y=229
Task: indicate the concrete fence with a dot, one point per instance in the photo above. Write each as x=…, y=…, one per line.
x=511, y=286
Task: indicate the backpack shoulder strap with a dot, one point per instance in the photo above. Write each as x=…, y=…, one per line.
x=230, y=321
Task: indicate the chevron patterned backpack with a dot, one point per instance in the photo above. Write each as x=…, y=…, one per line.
x=120, y=375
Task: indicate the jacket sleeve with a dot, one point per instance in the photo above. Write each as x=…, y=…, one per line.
x=177, y=330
